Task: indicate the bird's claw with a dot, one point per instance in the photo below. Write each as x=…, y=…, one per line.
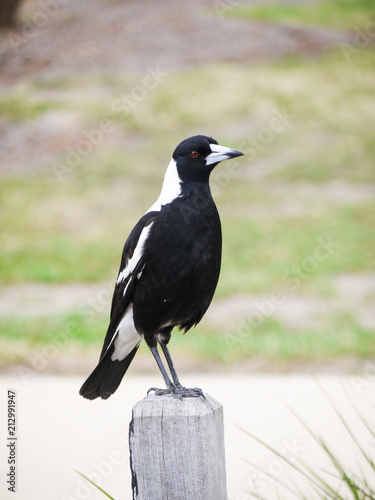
x=190, y=392
x=158, y=392
x=178, y=392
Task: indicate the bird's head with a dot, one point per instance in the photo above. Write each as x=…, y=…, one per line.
x=197, y=156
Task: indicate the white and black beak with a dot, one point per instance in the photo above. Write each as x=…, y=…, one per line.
x=221, y=153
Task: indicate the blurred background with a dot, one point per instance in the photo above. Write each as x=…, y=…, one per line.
x=94, y=97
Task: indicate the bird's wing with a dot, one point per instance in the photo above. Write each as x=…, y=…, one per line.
x=131, y=268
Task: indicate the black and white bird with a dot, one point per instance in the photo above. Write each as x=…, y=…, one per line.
x=169, y=269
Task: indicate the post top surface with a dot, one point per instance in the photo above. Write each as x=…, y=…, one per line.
x=167, y=405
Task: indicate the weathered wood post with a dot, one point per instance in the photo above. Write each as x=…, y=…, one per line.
x=177, y=449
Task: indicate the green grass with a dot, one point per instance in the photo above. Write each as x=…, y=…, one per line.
x=257, y=253
x=50, y=329
x=338, y=14
x=19, y=107
x=262, y=247
x=268, y=339
x=335, y=479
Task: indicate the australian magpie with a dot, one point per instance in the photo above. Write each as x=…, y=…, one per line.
x=169, y=269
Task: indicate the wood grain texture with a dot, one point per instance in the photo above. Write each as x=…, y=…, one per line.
x=177, y=449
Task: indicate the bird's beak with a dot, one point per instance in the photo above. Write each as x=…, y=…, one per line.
x=220, y=153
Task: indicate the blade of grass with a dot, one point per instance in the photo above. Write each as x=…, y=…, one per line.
x=334, y=460
x=355, y=488
x=96, y=486
x=370, y=490
x=322, y=485
x=269, y=475
x=257, y=495
x=364, y=422
x=330, y=454
x=318, y=441
x=339, y=467
x=277, y=492
x=301, y=495
x=329, y=489
x=344, y=422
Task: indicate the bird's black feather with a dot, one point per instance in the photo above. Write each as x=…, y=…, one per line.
x=107, y=376
x=183, y=255
x=120, y=302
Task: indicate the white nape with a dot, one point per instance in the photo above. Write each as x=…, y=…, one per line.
x=126, y=336
x=138, y=251
x=170, y=190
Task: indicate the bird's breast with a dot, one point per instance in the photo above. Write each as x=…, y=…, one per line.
x=182, y=265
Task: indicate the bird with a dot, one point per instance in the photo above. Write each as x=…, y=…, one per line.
x=169, y=270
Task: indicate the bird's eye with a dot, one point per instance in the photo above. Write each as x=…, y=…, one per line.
x=194, y=154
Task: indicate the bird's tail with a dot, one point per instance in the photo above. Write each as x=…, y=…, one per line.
x=106, y=377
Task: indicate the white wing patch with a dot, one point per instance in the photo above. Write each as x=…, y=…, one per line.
x=126, y=336
x=137, y=254
x=170, y=190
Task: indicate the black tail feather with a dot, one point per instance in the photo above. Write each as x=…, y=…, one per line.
x=106, y=377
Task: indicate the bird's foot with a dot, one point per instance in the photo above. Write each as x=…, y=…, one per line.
x=187, y=392
x=178, y=392
x=159, y=392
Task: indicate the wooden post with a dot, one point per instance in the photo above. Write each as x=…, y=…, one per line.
x=177, y=449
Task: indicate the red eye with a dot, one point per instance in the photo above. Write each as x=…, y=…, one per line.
x=194, y=154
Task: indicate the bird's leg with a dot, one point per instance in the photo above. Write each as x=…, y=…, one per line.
x=170, y=387
x=183, y=391
x=170, y=365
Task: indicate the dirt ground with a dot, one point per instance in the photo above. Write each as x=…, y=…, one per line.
x=85, y=36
